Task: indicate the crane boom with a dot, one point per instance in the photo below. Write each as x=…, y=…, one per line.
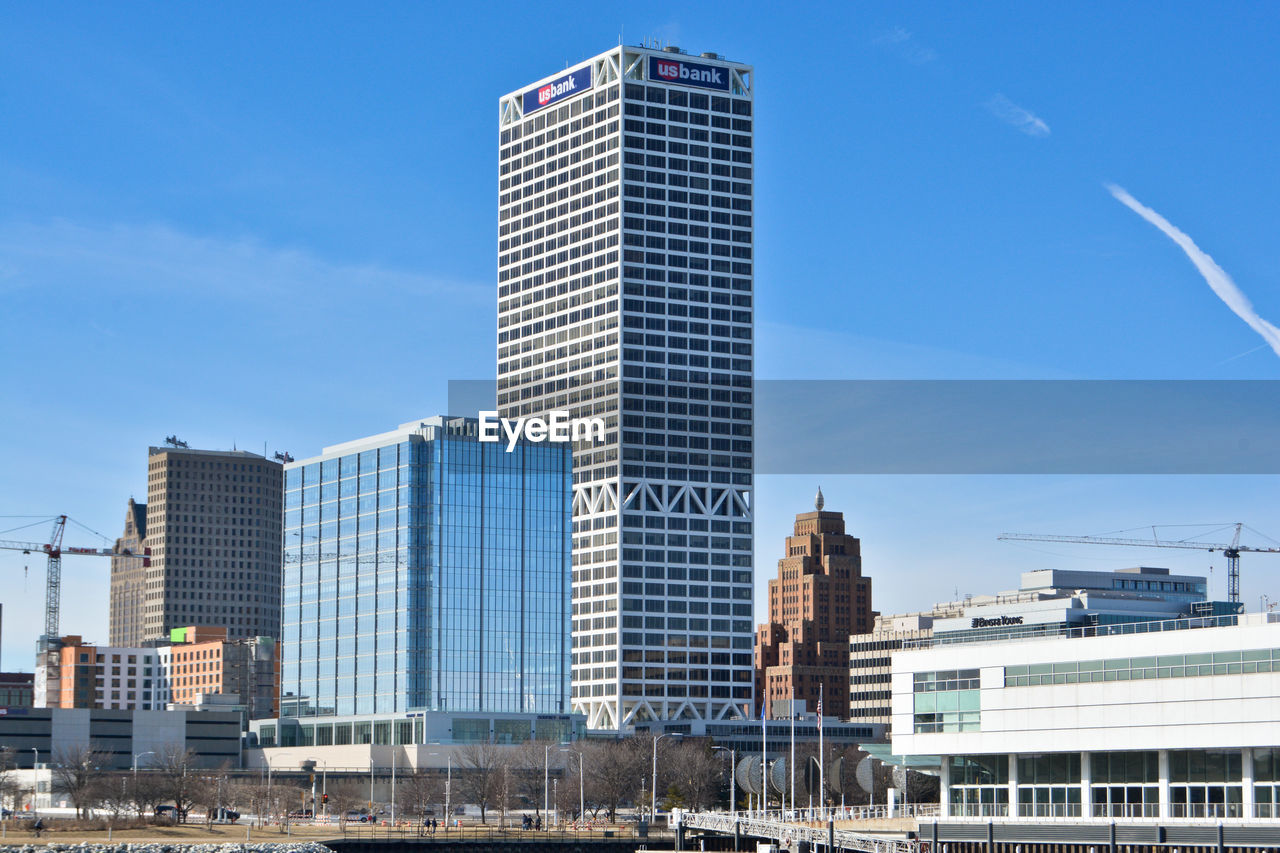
x=1232, y=551
x=55, y=551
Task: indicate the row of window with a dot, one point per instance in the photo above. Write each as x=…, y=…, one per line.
x=1138, y=668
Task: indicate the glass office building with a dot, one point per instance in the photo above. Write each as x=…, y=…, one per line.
x=427, y=571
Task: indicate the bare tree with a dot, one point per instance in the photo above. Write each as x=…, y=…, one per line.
x=480, y=780
x=112, y=792
x=528, y=769
x=349, y=795
x=614, y=773
x=146, y=791
x=75, y=772
x=179, y=778
x=694, y=775
x=10, y=790
x=417, y=792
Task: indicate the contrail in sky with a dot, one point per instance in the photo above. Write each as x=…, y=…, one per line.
x=1215, y=275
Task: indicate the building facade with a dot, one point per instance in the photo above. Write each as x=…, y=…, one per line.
x=103, y=677
x=870, y=664
x=1056, y=602
x=189, y=668
x=427, y=572
x=201, y=662
x=128, y=599
x=625, y=285
x=1048, y=602
x=119, y=735
x=817, y=600
x=213, y=529
x=1172, y=719
x=17, y=690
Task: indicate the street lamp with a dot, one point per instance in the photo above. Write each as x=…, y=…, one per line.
x=582, y=796
x=136, y=756
x=448, y=785
x=35, y=785
x=546, y=776
x=653, y=794
x=733, y=776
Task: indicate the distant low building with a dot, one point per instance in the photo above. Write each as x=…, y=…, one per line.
x=17, y=689
x=118, y=735
x=1173, y=720
x=201, y=662
x=197, y=668
x=71, y=673
x=1048, y=602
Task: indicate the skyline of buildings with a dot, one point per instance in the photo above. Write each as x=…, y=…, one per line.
x=625, y=284
x=434, y=588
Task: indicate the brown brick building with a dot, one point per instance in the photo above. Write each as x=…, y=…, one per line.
x=818, y=599
x=212, y=522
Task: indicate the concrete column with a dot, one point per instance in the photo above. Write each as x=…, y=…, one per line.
x=944, y=787
x=1086, y=786
x=1165, y=807
x=1013, y=784
x=1246, y=777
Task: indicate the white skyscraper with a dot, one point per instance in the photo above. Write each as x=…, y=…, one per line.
x=625, y=286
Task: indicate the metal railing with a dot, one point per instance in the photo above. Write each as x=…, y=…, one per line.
x=838, y=813
x=790, y=834
x=485, y=832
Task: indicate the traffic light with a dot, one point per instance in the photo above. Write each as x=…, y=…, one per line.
x=324, y=798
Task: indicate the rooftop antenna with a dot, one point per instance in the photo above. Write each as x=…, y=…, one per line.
x=174, y=441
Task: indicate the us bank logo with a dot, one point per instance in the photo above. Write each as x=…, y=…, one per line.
x=689, y=73
x=558, y=89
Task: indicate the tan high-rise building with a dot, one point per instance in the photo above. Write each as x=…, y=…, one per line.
x=129, y=580
x=818, y=599
x=212, y=525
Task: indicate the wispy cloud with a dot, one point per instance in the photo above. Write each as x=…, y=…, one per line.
x=1017, y=117
x=1214, y=275
x=903, y=44
x=158, y=260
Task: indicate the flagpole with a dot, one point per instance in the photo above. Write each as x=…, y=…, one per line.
x=764, y=752
x=822, y=772
x=793, y=746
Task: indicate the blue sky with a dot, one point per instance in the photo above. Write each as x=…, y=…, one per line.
x=248, y=223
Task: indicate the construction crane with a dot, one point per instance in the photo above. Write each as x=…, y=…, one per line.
x=53, y=577
x=1232, y=551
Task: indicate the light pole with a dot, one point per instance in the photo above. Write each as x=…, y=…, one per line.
x=393, y=785
x=582, y=796
x=555, y=802
x=136, y=756
x=653, y=794
x=35, y=785
x=448, y=785
x=733, y=776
